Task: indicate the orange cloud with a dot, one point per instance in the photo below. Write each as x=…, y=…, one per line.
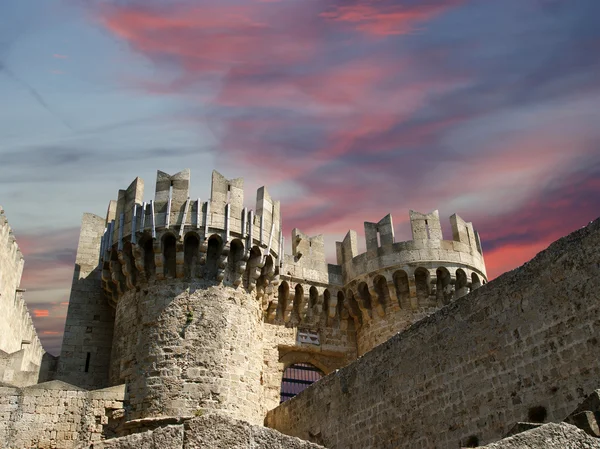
x=51, y=333
x=59, y=56
x=39, y=313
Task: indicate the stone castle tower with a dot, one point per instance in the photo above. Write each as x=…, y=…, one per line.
x=194, y=305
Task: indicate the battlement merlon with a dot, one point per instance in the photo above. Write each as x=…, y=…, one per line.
x=173, y=210
x=380, y=233
x=425, y=226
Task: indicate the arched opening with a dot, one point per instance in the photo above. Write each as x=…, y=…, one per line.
x=236, y=254
x=326, y=303
x=422, y=286
x=299, y=303
x=169, y=256
x=352, y=307
x=475, y=281
x=383, y=292
x=149, y=265
x=213, y=252
x=460, y=287
x=191, y=246
x=298, y=377
x=402, y=289
x=252, y=265
x=313, y=296
x=442, y=285
x=283, y=299
x=340, y=305
x=365, y=296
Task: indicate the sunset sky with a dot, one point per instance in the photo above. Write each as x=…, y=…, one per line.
x=346, y=109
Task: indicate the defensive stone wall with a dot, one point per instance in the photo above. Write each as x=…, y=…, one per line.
x=21, y=351
x=57, y=415
x=86, y=350
x=529, y=339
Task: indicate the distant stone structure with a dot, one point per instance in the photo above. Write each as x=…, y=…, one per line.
x=21, y=353
x=188, y=324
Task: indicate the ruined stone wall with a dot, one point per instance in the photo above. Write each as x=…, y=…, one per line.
x=21, y=351
x=57, y=415
x=474, y=368
x=87, y=341
x=185, y=347
x=208, y=432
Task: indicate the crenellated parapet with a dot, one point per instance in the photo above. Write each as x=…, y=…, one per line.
x=390, y=285
x=175, y=236
x=21, y=351
x=393, y=284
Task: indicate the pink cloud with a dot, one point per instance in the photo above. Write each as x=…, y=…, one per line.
x=381, y=18
x=59, y=56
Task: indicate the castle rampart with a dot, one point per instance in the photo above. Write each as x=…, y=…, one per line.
x=526, y=341
x=21, y=351
x=158, y=280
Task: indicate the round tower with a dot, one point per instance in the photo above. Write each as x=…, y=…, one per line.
x=394, y=284
x=184, y=277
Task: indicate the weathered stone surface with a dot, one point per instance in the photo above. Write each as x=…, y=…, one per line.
x=548, y=436
x=57, y=415
x=212, y=431
x=21, y=351
x=527, y=339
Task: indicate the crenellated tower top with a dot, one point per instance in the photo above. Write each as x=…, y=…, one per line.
x=175, y=236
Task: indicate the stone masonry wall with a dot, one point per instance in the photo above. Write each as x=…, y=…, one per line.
x=282, y=348
x=185, y=347
x=21, y=351
x=87, y=341
x=472, y=369
x=208, y=432
x=57, y=415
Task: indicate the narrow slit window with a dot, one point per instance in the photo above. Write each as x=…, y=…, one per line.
x=427, y=229
x=87, y=362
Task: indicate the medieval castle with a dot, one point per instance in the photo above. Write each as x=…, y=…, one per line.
x=190, y=326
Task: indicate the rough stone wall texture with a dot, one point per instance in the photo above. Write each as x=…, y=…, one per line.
x=207, y=432
x=475, y=367
x=549, y=436
x=21, y=351
x=282, y=348
x=87, y=341
x=188, y=346
x=56, y=415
